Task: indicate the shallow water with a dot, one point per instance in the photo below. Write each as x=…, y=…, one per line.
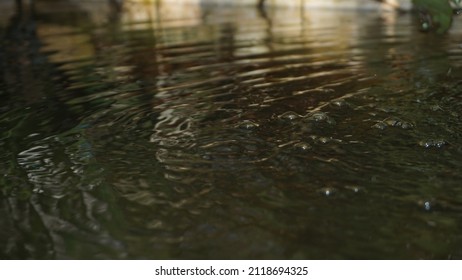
x=222, y=132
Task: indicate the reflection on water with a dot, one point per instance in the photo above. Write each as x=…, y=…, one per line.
x=188, y=133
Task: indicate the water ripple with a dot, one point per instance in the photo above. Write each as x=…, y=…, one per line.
x=150, y=134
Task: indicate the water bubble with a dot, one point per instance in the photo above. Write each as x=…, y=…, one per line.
x=327, y=191
x=396, y=122
x=393, y=122
x=425, y=26
x=427, y=205
x=302, y=146
x=318, y=116
x=339, y=103
x=321, y=117
x=380, y=125
x=323, y=140
x=248, y=124
x=407, y=125
x=289, y=116
x=433, y=143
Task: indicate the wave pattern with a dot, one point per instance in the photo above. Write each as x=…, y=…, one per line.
x=286, y=134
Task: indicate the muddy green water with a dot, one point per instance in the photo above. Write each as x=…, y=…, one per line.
x=313, y=135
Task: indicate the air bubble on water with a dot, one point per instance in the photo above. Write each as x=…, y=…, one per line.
x=380, y=125
x=427, y=205
x=339, y=103
x=302, y=146
x=321, y=117
x=289, y=116
x=407, y=125
x=425, y=26
x=432, y=143
x=323, y=140
x=327, y=191
x=248, y=124
x=394, y=122
x=318, y=116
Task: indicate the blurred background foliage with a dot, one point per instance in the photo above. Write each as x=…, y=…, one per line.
x=436, y=14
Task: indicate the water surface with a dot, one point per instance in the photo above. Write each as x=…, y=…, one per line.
x=224, y=132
